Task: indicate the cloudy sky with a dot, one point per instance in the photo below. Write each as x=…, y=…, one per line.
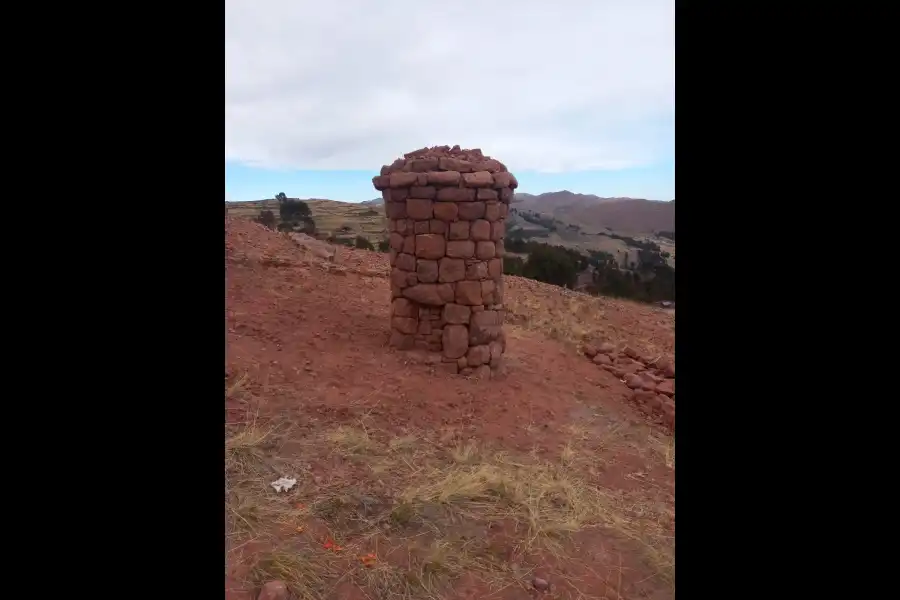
x=572, y=94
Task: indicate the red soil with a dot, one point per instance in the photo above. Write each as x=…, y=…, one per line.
x=313, y=338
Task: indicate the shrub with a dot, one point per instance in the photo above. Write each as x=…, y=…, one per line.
x=513, y=265
x=560, y=266
x=363, y=244
x=267, y=218
x=308, y=226
x=551, y=264
x=292, y=210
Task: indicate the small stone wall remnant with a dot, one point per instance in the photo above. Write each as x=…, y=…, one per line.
x=651, y=378
x=446, y=210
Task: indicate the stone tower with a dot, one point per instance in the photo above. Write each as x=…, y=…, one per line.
x=446, y=210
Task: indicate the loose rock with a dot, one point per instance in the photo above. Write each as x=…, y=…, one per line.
x=541, y=585
x=635, y=382
x=666, y=367
x=602, y=359
x=666, y=386
x=273, y=590
x=606, y=348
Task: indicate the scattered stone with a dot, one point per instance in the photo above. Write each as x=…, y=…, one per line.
x=602, y=359
x=621, y=371
x=635, y=382
x=590, y=350
x=541, y=585
x=666, y=367
x=273, y=590
x=668, y=412
x=666, y=386
x=651, y=376
x=606, y=348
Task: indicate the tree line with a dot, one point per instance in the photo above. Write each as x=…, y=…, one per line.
x=650, y=280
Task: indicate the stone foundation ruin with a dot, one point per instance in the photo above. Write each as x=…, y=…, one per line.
x=446, y=210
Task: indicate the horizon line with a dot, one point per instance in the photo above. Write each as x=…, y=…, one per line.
x=529, y=193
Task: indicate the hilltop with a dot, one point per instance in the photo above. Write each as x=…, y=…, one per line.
x=413, y=483
x=339, y=219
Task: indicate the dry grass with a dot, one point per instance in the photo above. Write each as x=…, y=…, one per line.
x=424, y=507
x=575, y=318
x=436, y=509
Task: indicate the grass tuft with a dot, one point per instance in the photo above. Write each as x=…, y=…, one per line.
x=431, y=512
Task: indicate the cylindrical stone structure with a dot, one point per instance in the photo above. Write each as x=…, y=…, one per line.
x=446, y=210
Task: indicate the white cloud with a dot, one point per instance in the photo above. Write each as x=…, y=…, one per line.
x=352, y=84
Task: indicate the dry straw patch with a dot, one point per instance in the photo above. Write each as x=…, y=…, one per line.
x=421, y=506
x=575, y=317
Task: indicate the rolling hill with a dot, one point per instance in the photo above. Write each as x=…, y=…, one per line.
x=584, y=222
x=594, y=214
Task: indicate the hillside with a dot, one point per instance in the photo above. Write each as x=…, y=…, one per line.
x=627, y=216
x=594, y=214
x=555, y=480
x=561, y=200
x=333, y=218
x=366, y=219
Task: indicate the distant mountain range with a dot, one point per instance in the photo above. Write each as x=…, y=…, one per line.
x=635, y=215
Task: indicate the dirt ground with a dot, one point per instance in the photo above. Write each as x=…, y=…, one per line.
x=412, y=483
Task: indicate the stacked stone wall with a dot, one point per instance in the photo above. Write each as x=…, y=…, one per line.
x=446, y=210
